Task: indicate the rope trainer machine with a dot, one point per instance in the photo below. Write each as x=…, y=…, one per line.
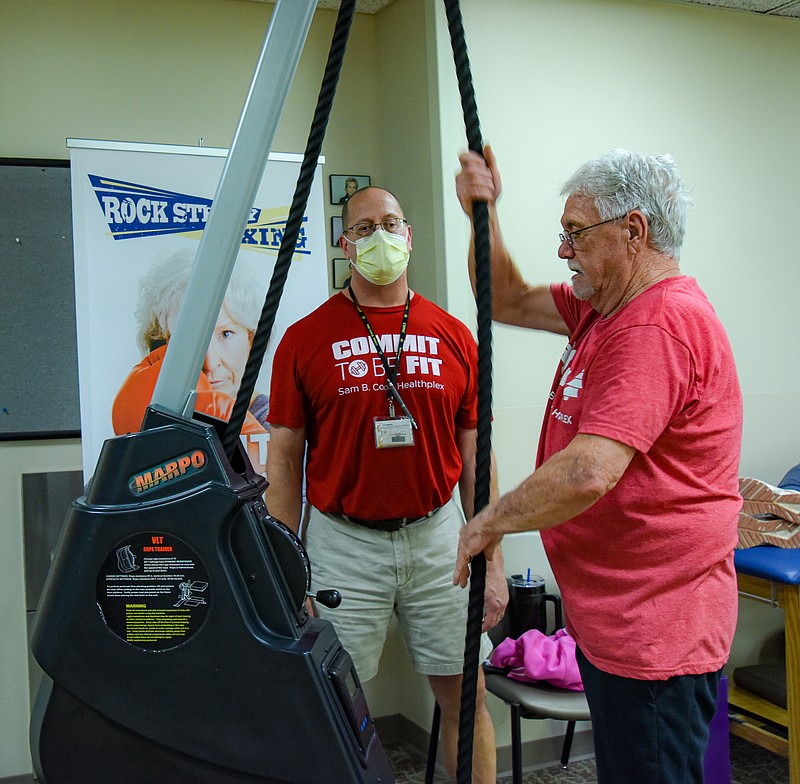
x=172, y=630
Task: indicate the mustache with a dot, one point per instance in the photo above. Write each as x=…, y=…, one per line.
x=574, y=267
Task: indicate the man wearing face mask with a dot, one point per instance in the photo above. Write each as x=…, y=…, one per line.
x=377, y=387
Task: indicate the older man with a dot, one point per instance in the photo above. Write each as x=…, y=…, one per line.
x=378, y=388
x=636, y=485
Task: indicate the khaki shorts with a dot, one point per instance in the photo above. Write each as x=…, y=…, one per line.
x=408, y=573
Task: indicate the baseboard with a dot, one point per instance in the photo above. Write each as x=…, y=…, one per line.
x=541, y=753
x=396, y=727
x=546, y=752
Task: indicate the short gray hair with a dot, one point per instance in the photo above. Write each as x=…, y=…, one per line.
x=163, y=286
x=621, y=181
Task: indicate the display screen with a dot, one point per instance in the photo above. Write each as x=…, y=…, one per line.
x=352, y=685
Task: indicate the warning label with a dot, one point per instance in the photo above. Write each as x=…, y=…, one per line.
x=153, y=591
x=145, y=625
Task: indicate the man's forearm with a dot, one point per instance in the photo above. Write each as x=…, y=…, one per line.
x=285, y=474
x=285, y=495
x=566, y=485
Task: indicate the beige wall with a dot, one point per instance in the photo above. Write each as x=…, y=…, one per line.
x=557, y=81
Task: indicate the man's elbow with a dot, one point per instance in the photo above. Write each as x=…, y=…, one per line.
x=595, y=481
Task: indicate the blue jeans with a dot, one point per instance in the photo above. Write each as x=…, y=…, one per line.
x=649, y=732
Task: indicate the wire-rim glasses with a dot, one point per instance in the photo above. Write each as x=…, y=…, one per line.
x=366, y=228
x=569, y=236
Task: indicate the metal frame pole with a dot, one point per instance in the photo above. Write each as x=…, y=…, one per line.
x=236, y=191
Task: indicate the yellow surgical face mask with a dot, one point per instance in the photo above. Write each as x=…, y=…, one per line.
x=382, y=257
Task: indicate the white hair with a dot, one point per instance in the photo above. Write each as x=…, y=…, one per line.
x=621, y=181
x=161, y=291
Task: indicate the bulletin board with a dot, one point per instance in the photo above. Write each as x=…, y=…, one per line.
x=38, y=344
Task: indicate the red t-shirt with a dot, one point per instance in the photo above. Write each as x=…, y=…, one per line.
x=327, y=377
x=647, y=572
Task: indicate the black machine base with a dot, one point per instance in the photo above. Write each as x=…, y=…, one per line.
x=92, y=749
x=174, y=635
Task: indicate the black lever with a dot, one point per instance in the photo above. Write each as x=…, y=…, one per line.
x=330, y=598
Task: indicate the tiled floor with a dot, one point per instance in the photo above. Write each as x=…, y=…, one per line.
x=749, y=765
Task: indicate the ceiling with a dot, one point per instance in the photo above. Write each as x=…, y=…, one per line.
x=789, y=8
x=362, y=6
x=766, y=7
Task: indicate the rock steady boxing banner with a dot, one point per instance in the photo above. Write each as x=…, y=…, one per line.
x=138, y=214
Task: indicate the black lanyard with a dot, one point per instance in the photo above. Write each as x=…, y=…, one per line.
x=391, y=372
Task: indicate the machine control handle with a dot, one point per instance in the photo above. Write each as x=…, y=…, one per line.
x=330, y=598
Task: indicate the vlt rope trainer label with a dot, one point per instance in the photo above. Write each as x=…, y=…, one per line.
x=153, y=591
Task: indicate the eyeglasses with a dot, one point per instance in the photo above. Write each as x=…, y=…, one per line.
x=569, y=236
x=366, y=229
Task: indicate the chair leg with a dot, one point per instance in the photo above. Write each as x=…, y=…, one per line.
x=567, y=747
x=516, y=744
x=433, y=745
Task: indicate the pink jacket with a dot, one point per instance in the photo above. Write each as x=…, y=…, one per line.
x=537, y=657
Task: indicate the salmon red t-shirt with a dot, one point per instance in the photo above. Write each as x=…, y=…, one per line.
x=647, y=572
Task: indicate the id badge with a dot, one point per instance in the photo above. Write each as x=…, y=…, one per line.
x=393, y=431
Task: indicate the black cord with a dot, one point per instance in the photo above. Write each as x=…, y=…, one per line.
x=483, y=296
x=293, y=223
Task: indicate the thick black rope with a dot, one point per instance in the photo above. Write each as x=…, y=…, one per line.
x=483, y=296
x=293, y=224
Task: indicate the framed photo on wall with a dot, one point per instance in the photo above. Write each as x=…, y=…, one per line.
x=343, y=186
x=336, y=229
x=341, y=273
